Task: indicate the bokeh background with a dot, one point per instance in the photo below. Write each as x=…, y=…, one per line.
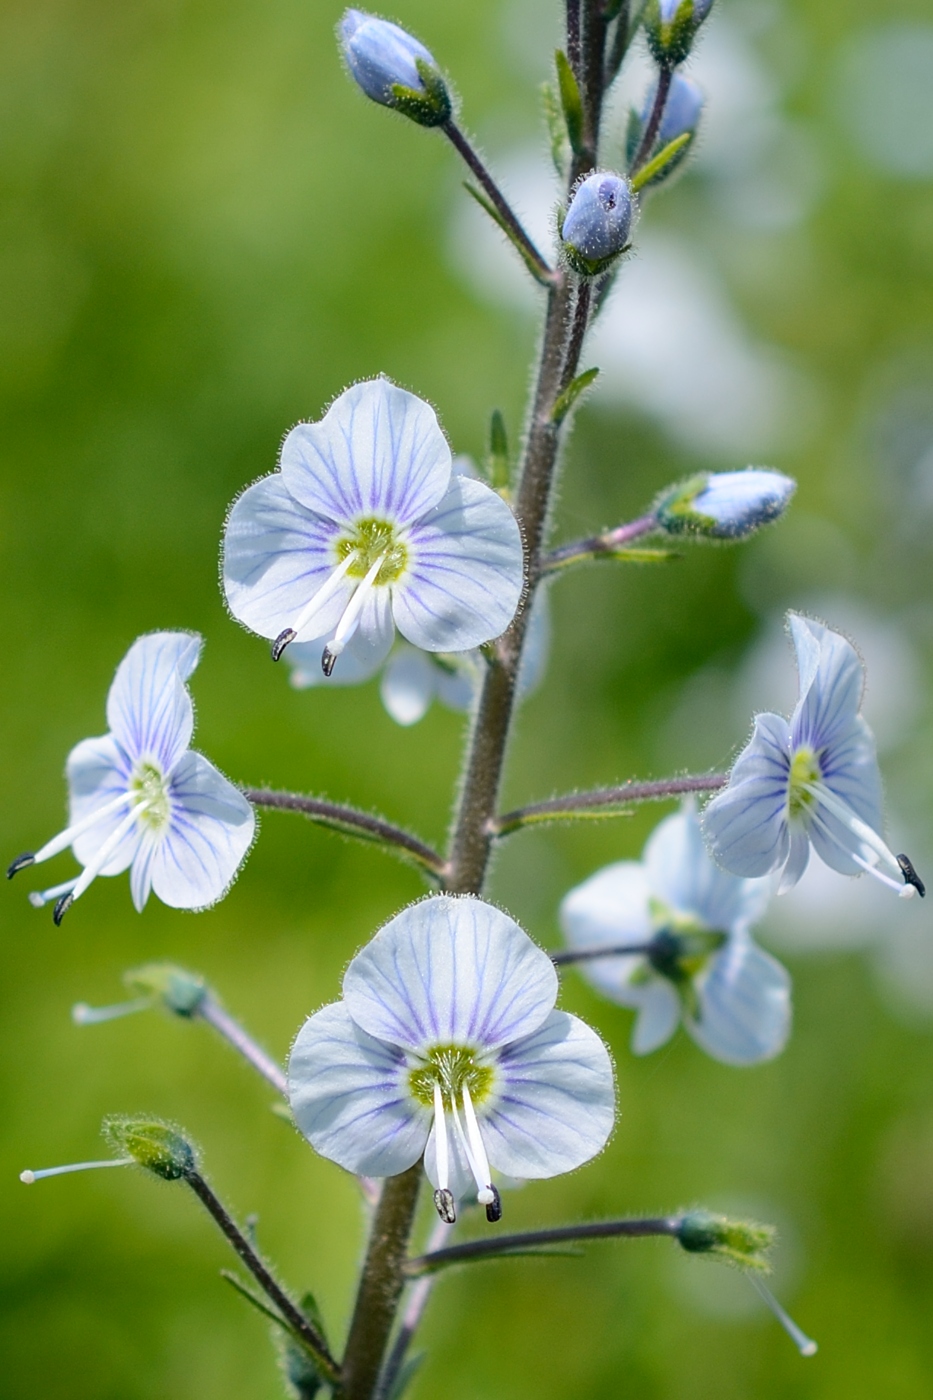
x=206, y=234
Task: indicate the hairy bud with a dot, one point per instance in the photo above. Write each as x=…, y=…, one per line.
x=671, y=26
x=596, y=226
x=725, y=505
x=393, y=69
x=153, y=1145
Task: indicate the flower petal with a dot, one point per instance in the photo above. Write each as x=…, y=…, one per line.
x=457, y=689
x=832, y=679
x=407, y=686
x=149, y=710
x=611, y=907
x=276, y=556
x=98, y=772
x=745, y=1009
x=210, y=830
x=450, y=970
x=798, y=857
x=349, y=1095
x=682, y=875
x=658, y=1015
x=746, y=826
x=554, y=1105
x=377, y=452
x=465, y=571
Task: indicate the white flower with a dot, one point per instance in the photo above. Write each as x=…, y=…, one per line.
x=447, y=1043
x=364, y=529
x=813, y=778
x=141, y=798
x=692, y=958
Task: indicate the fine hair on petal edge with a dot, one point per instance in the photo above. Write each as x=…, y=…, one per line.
x=830, y=627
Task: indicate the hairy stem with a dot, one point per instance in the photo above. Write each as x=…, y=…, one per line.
x=583, y=803
x=653, y=125
x=498, y=1245
x=562, y=956
x=498, y=199
x=292, y=1314
x=350, y=822
x=411, y=1319
x=380, y=1285
x=609, y=542
x=210, y=1010
x=573, y=36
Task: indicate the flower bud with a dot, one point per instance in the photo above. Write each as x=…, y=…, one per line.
x=153, y=1145
x=393, y=68
x=681, y=117
x=596, y=227
x=739, y=1242
x=670, y=27
x=725, y=505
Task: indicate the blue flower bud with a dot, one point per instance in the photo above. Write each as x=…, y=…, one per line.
x=393, y=69
x=681, y=117
x=596, y=227
x=671, y=26
x=725, y=505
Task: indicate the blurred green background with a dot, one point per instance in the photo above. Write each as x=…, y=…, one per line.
x=206, y=234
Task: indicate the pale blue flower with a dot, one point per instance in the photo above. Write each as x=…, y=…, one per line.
x=725, y=505
x=393, y=68
x=597, y=223
x=693, y=960
x=813, y=778
x=142, y=798
x=412, y=680
x=364, y=529
x=447, y=1044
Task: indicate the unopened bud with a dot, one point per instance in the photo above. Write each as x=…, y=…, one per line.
x=671, y=26
x=739, y=1242
x=153, y=1145
x=393, y=69
x=725, y=505
x=681, y=117
x=596, y=226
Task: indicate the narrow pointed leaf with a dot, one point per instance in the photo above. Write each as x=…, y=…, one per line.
x=568, y=398
x=660, y=161
x=496, y=217
x=498, y=452
x=570, y=100
x=557, y=130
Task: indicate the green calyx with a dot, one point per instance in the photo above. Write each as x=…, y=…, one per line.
x=432, y=107
x=155, y=1146
x=370, y=540
x=180, y=991
x=150, y=796
x=675, y=509
x=679, y=951
x=451, y=1067
x=804, y=769
x=670, y=42
x=742, y=1243
x=590, y=267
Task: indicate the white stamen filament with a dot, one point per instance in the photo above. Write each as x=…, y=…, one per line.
x=63, y=840
x=38, y=898
x=84, y=1015
x=350, y=619
x=485, y=1195
x=804, y=1344
x=843, y=812
x=440, y=1140
x=329, y=587
x=28, y=1177
x=94, y=867
x=872, y=855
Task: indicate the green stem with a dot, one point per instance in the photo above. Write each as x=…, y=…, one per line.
x=381, y=1284
x=577, y=805
x=498, y=1245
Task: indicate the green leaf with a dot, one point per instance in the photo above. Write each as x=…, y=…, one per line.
x=557, y=130
x=568, y=398
x=258, y=1303
x=570, y=101
x=498, y=452
x=404, y=1376
x=496, y=217
x=660, y=162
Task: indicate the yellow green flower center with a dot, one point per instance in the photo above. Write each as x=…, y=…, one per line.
x=369, y=540
x=451, y=1066
x=149, y=793
x=804, y=769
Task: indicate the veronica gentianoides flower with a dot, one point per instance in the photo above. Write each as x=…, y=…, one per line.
x=692, y=959
x=812, y=779
x=447, y=1044
x=365, y=528
x=142, y=798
